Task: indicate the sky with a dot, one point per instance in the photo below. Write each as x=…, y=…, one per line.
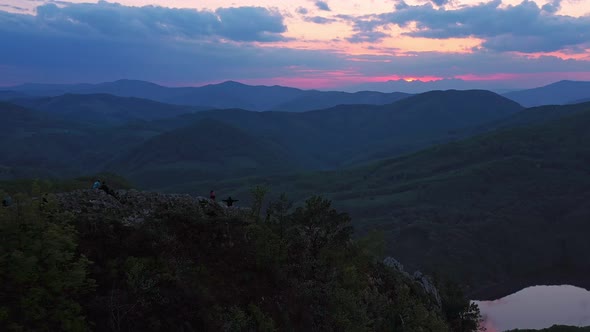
x=338, y=45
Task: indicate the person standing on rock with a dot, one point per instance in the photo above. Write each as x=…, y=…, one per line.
x=96, y=184
x=229, y=201
x=212, y=195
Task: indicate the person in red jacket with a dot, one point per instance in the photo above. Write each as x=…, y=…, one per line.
x=212, y=195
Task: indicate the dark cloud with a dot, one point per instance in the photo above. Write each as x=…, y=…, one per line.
x=105, y=41
x=117, y=21
x=322, y=5
x=320, y=20
x=302, y=10
x=524, y=27
x=553, y=6
x=364, y=30
x=401, y=4
x=367, y=37
x=250, y=24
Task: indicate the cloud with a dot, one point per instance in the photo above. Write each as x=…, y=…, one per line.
x=82, y=43
x=367, y=37
x=401, y=4
x=117, y=21
x=320, y=20
x=552, y=7
x=250, y=24
x=322, y=5
x=440, y=2
x=364, y=29
x=100, y=42
x=15, y=8
x=524, y=27
x=302, y=10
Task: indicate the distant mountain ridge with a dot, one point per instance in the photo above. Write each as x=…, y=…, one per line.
x=325, y=139
x=559, y=93
x=349, y=134
x=104, y=108
x=418, y=86
x=231, y=94
x=228, y=94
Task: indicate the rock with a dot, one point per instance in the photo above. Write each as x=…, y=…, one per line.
x=428, y=286
x=133, y=207
x=418, y=277
x=394, y=263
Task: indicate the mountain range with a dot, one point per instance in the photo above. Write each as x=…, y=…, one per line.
x=467, y=183
x=225, y=95
x=278, y=98
x=559, y=93
x=96, y=139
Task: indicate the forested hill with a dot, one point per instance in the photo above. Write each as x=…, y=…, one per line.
x=138, y=261
x=104, y=109
x=77, y=135
x=477, y=209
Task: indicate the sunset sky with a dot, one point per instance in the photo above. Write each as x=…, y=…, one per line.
x=309, y=44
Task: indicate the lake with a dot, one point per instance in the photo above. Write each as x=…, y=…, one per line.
x=538, y=307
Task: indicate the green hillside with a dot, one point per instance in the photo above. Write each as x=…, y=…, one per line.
x=207, y=149
x=507, y=205
x=351, y=134
x=73, y=135
x=38, y=144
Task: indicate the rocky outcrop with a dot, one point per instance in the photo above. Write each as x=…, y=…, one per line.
x=133, y=207
x=418, y=277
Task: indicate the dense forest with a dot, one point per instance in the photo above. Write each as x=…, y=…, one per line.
x=85, y=260
x=476, y=210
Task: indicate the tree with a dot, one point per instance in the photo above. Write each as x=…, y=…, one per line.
x=42, y=278
x=258, y=194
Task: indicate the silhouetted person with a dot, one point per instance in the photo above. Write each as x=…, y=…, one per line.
x=108, y=190
x=96, y=184
x=229, y=201
x=212, y=195
x=7, y=201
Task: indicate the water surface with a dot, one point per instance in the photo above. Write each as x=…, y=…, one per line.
x=538, y=307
